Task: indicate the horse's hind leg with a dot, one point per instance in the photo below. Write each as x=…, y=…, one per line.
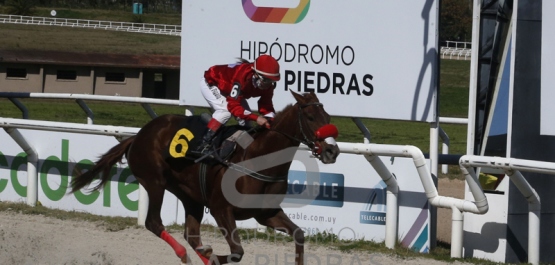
x=281, y=222
x=153, y=220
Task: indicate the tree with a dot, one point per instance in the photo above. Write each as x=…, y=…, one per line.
x=20, y=7
x=455, y=20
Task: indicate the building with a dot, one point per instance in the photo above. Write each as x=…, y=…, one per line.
x=152, y=76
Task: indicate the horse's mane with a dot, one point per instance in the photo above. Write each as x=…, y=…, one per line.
x=310, y=97
x=280, y=114
x=282, y=117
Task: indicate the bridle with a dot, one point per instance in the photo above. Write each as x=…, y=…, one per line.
x=311, y=143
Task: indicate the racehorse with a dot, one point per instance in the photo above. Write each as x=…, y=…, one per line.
x=199, y=185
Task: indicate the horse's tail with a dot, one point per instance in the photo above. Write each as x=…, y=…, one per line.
x=103, y=165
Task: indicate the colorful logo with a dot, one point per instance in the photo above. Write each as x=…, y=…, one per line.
x=374, y=210
x=276, y=14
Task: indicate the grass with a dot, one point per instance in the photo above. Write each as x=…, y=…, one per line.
x=453, y=93
x=453, y=102
x=453, y=98
x=114, y=224
x=106, y=15
x=132, y=115
x=49, y=38
x=109, y=223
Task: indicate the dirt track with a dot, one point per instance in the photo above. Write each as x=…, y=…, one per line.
x=35, y=239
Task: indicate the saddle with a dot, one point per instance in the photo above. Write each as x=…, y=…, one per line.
x=188, y=137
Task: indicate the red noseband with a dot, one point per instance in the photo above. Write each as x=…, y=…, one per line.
x=327, y=133
x=328, y=130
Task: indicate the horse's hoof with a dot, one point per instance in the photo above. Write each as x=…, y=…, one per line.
x=185, y=260
x=205, y=251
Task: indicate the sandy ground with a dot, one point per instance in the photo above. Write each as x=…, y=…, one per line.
x=31, y=239
x=450, y=188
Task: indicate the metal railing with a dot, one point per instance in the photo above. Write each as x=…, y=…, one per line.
x=162, y=29
x=449, y=49
x=370, y=151
x=458, y=50
x=145, y=103
x=455, y=53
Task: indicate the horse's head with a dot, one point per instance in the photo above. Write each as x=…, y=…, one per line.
x=317, y=132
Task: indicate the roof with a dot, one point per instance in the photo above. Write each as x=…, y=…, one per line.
x=90, y=59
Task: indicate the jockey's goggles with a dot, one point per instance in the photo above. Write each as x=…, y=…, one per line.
x=264, y=80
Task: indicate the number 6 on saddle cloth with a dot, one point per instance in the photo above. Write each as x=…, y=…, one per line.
x=189, y=137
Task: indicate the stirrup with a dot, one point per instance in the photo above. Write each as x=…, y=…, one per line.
x=204, y=148
x=204, y=153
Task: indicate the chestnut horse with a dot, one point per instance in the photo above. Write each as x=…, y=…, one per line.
x=258, y=170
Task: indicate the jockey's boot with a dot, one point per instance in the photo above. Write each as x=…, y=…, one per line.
x=213, y=126
x=204, y=147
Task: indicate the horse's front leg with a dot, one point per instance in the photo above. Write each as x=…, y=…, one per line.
x=193, y=217
x=281, y=222
x=226, y=223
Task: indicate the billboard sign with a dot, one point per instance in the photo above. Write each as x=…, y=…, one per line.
x=373, y=59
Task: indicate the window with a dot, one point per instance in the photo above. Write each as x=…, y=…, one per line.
x=66, y=75
x=19, y=73
x=115, y=77
x=158, y=77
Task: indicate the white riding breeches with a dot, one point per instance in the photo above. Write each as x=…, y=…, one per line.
x=218, y=103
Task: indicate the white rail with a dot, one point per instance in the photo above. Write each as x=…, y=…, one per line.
x=370, y=152
x=455, y=53
x=174, y=102
x=162, y=29
x=458, y=50
x=512, y=168
x=108, y=130
x=13, y=96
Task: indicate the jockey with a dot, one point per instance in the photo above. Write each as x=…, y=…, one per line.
x=226, y=88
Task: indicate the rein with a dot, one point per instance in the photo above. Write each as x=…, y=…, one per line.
x=266, y=178
x=304, y=141
x=254, y=174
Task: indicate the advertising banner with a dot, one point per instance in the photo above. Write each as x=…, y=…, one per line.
x=373, y=59
x=349, y=198
x=59, y=155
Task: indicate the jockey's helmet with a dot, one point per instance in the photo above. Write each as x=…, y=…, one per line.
x=267, y=67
